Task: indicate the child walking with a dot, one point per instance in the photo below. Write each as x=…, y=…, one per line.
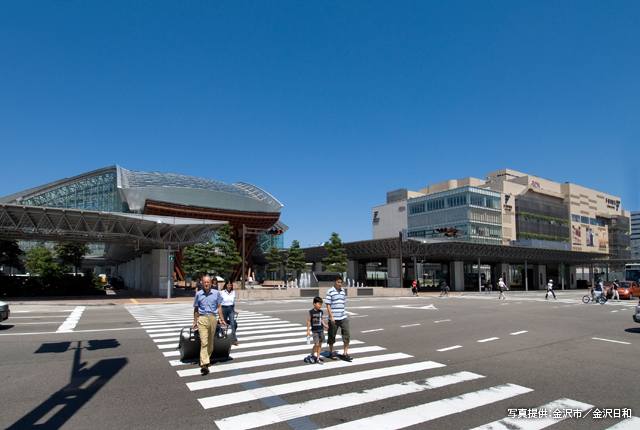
x=316, y=326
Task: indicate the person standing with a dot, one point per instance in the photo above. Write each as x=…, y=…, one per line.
x=550, y=290
x=502, y=287
x=336, y=297
x=228, y=304
x=614, y=290
x=488, y=287
x=414, y=287
x=206, y=308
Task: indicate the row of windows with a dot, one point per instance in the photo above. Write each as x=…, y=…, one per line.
x=587, y=220
x=454, y=201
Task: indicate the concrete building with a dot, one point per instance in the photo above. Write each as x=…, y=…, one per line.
x=635, y=235
x=511, y=208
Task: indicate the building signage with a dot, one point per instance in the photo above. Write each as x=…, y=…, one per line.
x=402, y=208
x=507, y=207
x=376, y=220
x=613, y=204
x=535, y=184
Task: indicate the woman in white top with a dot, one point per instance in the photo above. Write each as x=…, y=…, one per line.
x=228, y=307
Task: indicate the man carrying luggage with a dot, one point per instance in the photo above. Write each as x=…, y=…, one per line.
x=206, y=308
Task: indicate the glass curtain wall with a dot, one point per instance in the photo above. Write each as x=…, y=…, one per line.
x=475, y=212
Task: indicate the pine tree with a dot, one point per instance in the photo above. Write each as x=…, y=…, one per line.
x=199, y=258
x=336, y=260
x=72, y=253
x=227, y=255
x=274, y=259
x=295, y=259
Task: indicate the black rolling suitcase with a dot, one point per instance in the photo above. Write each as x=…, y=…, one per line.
x=189, y=343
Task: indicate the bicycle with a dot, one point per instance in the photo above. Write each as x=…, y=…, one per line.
x=589, y=298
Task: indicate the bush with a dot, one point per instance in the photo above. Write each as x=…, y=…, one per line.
x=22, y=286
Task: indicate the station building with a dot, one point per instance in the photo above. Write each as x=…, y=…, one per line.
x=118, y=190
x=512, y=209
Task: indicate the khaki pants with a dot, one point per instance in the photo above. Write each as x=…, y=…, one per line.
x=207, y=329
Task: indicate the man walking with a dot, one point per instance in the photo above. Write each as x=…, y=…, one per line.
x=206, y=308
x=550, y=290
x=335, y=300
x=614, y=290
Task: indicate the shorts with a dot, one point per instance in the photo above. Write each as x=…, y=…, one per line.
x=344, y=331
x=318, y=336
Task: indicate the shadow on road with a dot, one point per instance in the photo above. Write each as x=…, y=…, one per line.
x=5, y=326
x=85, y=383
x=633, y=330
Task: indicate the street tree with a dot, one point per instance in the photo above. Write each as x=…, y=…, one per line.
x=199, y=258
x=227, y=255
x=72, y=254
x=274, y=260
x=336, y=259
x=39, y=261
x=295, y=259
x=10, y=254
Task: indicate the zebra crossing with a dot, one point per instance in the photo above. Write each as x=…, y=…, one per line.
x=267, y=367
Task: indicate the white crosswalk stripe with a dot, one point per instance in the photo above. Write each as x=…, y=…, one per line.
x=268, y=363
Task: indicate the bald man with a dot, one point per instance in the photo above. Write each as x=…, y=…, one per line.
x=206, y=308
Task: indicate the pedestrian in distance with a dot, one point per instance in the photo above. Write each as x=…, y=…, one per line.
x=414, y=287
x=502, y=287
x=488, y=287
x=315, y=328
x=335, y=300
x=614, y=290
x=206, y=308
x=199, y=282
x=444, y=289
x=550, y=290
x=229, y=312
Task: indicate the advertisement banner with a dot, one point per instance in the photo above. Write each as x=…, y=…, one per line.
x=577, y=235
x=603, y=238
x=589, y=236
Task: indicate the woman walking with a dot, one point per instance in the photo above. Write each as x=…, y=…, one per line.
x=228, y=307
x=502, y=286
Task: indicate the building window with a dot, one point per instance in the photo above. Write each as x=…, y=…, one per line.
x=584, y=219
x=575, y=218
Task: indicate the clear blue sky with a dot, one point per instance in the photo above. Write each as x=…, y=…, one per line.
x=327, y=105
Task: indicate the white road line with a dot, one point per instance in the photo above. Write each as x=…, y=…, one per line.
x=410, y=325
x=441, y=321
x=434, y=410
x=224, y=367
x=273, y=342
x=172, y=332
x=316, y=406
x=519, y=332
x=632, y=423
x=260, y=352
x=488, y=339
x=536, y=423
x=295, y=387
x=288, y=327
x=369, y=331
x=70, y=323
x=449, y=348
x=609, y=340
x=297, y=370
x=75, y=331
x=272, y=322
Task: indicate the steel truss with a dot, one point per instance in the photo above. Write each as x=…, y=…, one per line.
x=123, y=234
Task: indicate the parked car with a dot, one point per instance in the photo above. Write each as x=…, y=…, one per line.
x=629, y=290
x=4, y=311
x=636, y=316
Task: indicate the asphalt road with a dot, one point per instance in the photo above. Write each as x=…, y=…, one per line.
x=427, y=362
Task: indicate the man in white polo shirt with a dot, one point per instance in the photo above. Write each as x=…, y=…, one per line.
x=335, y=299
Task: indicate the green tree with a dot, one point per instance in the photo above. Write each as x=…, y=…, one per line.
x=72, y=254
x=227, y=255
x=295, y=259
x=274, y=260
x=39, y=261
x=199, y=258
x=336, y=260
x=10, y=254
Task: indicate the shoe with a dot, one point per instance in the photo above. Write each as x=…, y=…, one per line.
x=204, y=370
x=347, y=357
x=319, y=360
x=235, y=342
x=333, y=356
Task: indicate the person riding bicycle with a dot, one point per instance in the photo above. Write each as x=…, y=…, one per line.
x=598, y=290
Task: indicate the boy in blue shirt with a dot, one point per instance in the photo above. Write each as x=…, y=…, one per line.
x=316, y=325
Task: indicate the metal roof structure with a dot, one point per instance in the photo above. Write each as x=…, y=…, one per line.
x=125, y=235
x=380, y=249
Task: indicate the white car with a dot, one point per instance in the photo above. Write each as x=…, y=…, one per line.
x=636, y=316
x=4, y=311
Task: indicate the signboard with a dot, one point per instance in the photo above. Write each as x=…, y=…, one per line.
x=405, y=235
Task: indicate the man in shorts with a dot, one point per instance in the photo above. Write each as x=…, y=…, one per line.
x=336, y=297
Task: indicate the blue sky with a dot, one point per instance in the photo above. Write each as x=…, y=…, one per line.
x=327, y=105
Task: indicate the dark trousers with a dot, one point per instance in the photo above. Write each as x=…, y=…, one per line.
x=229, y=315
